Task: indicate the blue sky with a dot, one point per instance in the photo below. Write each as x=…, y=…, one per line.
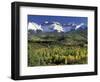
x=39, y=19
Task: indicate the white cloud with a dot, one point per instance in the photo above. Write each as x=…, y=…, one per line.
x=46, y=22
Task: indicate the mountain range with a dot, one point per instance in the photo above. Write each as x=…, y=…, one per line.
x=54, y=27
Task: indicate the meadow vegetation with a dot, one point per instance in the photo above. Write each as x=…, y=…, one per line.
x=57, y=49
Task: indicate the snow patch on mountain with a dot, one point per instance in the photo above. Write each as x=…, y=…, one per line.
x=78, y=26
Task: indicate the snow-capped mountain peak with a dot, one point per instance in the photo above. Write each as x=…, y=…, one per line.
x=57, y=26
x=78, y=26
x=34, y=26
